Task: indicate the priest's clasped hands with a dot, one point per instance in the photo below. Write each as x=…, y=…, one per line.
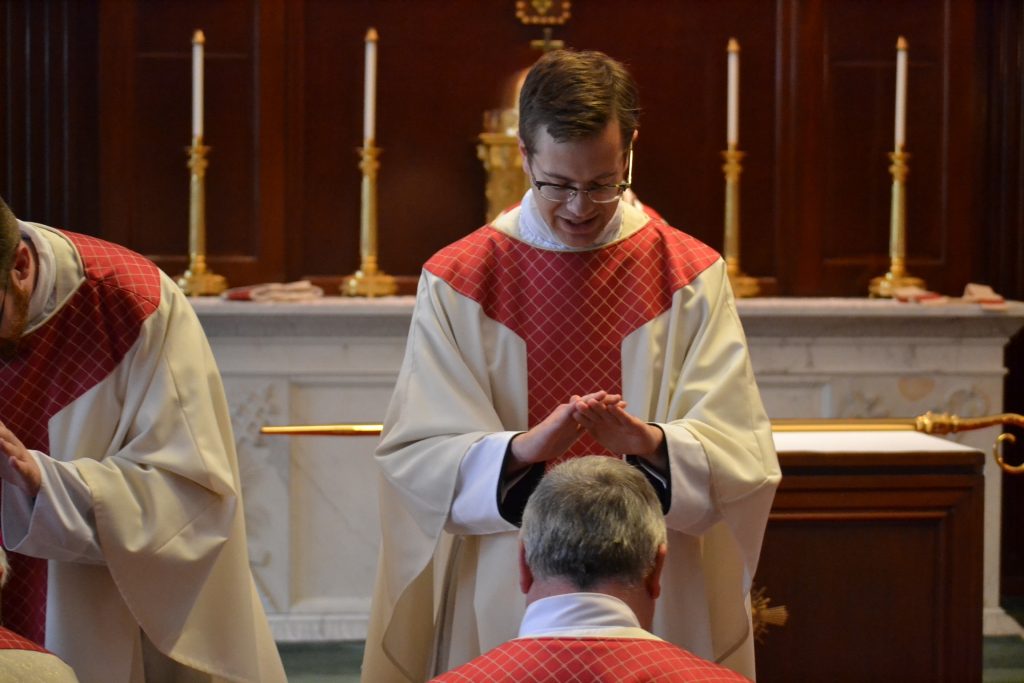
x=17, y=466
x=604, y=417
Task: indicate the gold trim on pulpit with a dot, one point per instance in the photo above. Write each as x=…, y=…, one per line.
x=928, y=423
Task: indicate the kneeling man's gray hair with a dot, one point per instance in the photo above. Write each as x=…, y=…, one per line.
x=593, y=519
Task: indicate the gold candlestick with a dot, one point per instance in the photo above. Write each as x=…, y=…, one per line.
x=368, y=280
x=884, y=286
x=197, y=279
x=742, y=285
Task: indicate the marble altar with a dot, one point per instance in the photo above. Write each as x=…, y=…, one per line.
x=311, y=501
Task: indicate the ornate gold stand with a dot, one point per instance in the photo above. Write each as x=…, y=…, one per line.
x=506, y=181
x=197, y=279
x=368, y=280
x=884, y=286
x=742, y=285
x=763, y=614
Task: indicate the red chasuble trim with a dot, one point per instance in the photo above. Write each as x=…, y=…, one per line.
x=573, y=309
x=9, y=640
x=56, y=364
x=590, y=660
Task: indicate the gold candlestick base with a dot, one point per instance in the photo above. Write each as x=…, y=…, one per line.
x=885, y=286
x=368, y=284
x=198, y=280
x=743, y=286
x=368, y=281
x=202, y=284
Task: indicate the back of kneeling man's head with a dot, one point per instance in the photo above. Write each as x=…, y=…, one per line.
x=594, y=524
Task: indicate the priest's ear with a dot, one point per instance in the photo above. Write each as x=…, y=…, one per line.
x=525, y=573
x=23, y=268
x=523, y=152
x=652, y=583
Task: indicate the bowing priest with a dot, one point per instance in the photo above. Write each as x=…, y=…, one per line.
x=120, y=496
x=591, y=552
x=573, y=324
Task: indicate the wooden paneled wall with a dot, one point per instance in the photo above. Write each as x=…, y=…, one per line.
x=97, y=107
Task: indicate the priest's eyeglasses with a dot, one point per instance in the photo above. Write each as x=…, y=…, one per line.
x=602, y=194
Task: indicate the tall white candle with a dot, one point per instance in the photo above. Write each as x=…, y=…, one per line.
x=733, y=109
x=370, y=86
x=198, y=40
x=901, y=92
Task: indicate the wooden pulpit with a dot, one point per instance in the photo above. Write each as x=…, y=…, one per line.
x=874, y=545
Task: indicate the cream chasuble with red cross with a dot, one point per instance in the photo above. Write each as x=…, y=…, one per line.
x=139, y=519
x=503, y=332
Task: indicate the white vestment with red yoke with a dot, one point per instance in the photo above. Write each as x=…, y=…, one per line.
x=507, y=325
x=115, y=392
x=587, y=638
x=22, y=660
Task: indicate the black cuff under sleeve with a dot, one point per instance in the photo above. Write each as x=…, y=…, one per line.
x=662, y=487
x=512, y=506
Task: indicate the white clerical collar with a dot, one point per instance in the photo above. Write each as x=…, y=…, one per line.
x=43, y=292
x=581, y=615
x=525, y=223
x=535, y=230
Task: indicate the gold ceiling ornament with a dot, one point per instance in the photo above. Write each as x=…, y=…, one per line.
x=929, y=423
x=762, y=616
x=543, y=12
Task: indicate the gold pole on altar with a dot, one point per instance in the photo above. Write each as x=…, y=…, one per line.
x=369, y=281
x=938, y=424
x=742, y=285
x=885, y=286
x=198, y=280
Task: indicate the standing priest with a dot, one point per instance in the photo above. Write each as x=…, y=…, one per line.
x=120, y=490
x=573, y=324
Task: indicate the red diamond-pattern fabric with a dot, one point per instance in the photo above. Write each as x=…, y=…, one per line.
x=54, y=365
x=9, y=640
x=573, y=309
x=589, y=660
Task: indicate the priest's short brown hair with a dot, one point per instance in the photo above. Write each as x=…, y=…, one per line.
x=573, y=95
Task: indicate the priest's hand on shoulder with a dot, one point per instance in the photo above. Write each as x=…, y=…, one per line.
x=17, y=466
x=548, y=440
x=606, y=419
